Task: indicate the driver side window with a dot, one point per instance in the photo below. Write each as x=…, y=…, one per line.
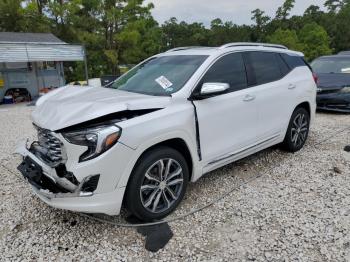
x=229, y=69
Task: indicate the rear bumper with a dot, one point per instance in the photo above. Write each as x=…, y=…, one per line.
x=337, y=102
x=61, y=193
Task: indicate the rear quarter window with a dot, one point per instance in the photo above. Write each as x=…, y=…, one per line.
x=294, y=61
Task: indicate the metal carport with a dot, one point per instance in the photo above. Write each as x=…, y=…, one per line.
x=23, y=52
x=34, y=48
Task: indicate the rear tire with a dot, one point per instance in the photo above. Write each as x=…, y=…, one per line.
x=298, y=130
x=157, y=184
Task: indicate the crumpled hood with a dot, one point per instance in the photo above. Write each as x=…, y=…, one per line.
x=71, y=105
x=333, y=81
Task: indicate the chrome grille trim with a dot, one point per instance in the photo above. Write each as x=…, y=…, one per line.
x=49, y=147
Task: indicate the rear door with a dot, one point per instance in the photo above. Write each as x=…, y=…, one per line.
x=274, y=92
x=227, y=122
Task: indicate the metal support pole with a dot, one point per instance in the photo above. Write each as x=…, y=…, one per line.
x=86, y=67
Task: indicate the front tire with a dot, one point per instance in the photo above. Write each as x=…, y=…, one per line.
x=157, y=184
x=298, y=130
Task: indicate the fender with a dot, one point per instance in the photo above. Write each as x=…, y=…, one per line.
x=191, y=145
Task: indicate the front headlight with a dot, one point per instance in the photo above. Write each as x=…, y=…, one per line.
x=345, y=90
x=97, y=139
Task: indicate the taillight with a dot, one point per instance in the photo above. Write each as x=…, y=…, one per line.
x=315, y=78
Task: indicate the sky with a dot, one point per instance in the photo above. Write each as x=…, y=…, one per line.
x=237, y=11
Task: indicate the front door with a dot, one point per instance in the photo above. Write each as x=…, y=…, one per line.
x=227, y=122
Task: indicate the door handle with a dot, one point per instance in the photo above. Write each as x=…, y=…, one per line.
x=292, y=86
x=248, y=98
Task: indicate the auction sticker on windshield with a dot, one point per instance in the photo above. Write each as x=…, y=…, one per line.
x=164, y=82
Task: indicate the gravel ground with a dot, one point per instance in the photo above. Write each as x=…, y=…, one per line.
x=297, y=210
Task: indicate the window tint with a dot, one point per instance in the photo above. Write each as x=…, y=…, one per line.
x=263, y=67
x=283, y=65
x=228, y=69
x=293, y=61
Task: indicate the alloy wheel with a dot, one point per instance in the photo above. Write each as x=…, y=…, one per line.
x=162, y=185
x=299, y=130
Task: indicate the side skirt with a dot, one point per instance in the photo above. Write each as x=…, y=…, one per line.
x=229, y=158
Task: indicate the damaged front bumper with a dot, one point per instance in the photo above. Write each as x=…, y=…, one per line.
x=47, y=185
x=60, y=192
x=45, y=178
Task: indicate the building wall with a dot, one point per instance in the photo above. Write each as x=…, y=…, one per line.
x=18, y=75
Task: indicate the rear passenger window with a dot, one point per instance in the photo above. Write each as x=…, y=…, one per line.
x=228, y=69
x=263, y=67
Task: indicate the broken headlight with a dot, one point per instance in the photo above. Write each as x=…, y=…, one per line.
x=97, y=139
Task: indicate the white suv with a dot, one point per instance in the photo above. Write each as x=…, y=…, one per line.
x=168, y=121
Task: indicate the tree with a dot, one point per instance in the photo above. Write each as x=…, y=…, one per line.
x=287, y=37
x=41, y=5
x=34, y=20
x=340, y=29
x=261, y=21
x=11, y=15
x=176, y=34
x=315, y=41
x=284, y=11
x=116, y=32
x=221, y=33
x=139, y=40
x=334, y=5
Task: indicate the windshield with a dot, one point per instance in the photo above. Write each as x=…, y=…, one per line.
x=159, y=76
x=331, y=65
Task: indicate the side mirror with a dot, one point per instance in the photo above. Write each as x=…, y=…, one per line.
x=213, y=88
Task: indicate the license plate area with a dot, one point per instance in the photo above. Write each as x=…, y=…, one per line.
x=31, y=171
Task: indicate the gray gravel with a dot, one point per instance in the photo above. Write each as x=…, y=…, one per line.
x=297, y=210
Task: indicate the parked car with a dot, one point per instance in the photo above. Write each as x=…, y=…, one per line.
x=333, y=93
x=165, y=123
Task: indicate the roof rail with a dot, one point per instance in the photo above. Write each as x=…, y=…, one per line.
x=252, y=44
x=183, y=48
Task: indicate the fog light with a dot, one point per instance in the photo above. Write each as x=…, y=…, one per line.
x=91, y=184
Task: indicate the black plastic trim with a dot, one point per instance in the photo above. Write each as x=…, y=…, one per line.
x=32, y=172
x=198, y=140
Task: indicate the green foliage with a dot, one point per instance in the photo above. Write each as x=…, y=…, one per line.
x=287, y=37
x=339, y=31
x=334, y=5
x=315, y=41
x=182, y=34
x=12, y=15
x=261, y=20
x=284, y=10
x=117, y=32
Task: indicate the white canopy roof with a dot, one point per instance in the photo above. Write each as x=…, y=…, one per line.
x=31, y=52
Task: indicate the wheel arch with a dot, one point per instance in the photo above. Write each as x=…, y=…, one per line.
x=303, y=104
x=179, y=145
x=176, y=142
x=306, y=105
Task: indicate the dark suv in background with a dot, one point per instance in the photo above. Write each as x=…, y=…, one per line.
x=333, y=93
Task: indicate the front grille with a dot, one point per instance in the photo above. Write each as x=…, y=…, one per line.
x=48, y=147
